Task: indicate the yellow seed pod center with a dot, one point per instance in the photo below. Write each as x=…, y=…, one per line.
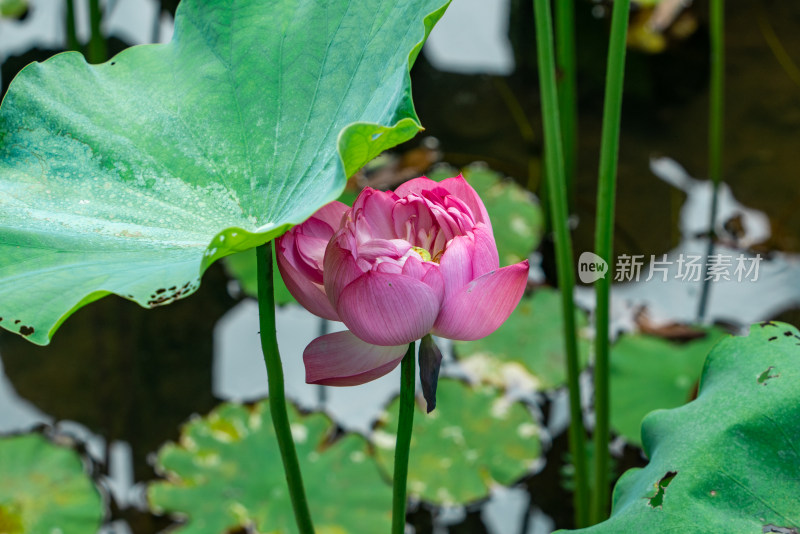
x=426, y=256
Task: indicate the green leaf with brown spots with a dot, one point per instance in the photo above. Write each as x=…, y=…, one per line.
x=133, y=176
x=473, y=439
x=225, y=473
x=44, y=488
x=728, y=461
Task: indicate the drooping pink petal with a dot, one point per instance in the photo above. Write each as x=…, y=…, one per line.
x=480, y=307
x=310, y=295
x=456, y=264
x=456, y=186
x=341, y=359
x=484, y=254
x=340, y=269
x=387, y=309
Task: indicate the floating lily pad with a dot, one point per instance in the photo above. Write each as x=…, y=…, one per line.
x=44, y=488
x=473, y=439
x=13, y=8
x=516, y=217
x=133, y=176
x=728, y=461
x=226, y=473
x=649, y=373
x=529, y=343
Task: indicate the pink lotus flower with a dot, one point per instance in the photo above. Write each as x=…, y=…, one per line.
x=394, y=268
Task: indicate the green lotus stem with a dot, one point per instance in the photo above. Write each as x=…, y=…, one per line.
x=405, y=423
x=603, y=244
x=96, y=51
x=277, y=399
x=567, y=92
x=556, y=188
x=69, y=25
x=715, y=119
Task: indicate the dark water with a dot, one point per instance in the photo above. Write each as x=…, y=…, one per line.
x=136, y=375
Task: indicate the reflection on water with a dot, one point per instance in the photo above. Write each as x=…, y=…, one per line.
x=17, y=414
x=766, y=287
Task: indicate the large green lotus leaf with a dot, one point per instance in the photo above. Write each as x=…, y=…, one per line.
x=44, y=488
x=473, y=438
x=528, y=346
x=649, y=373
x=517, y=219
x=728, y=461
x=132, y=176
x=226, y=473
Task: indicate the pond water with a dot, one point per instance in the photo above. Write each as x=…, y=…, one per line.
x=123, y=379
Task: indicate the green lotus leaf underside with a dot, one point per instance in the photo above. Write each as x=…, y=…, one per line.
x=44, y=488
x=132, y=176
x=475, y=438
x=728, y=461
x=226, y=474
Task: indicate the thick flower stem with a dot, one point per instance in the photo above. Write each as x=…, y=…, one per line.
x=604, y=239
x=277, y=400
x=96, y=50
x=406, y=421
x=556, y=188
